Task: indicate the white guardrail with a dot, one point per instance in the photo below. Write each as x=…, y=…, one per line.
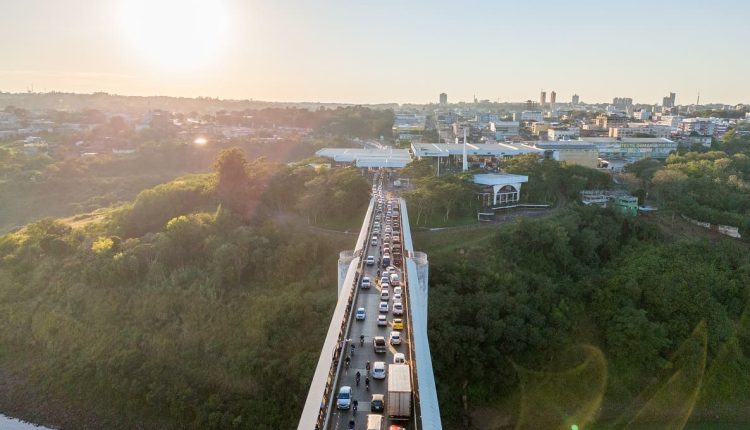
x=324, y=379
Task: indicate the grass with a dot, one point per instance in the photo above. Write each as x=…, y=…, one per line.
x=441, y=242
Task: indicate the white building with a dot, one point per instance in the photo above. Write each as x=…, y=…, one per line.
x=642, y=115
x=408, y=126
x=501, y=189
x=671, y=120
x=529, y=115
x=638, y=128
x=632, y=148
x=563, y=133
x=504, y=129
x=699, y=126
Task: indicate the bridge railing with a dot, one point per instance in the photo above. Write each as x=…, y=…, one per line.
x=318, y=404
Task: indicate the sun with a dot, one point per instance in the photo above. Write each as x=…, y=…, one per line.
x=175, y=35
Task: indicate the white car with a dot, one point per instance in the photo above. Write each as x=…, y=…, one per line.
x=382, y=321
x=366, y=282
x=399, y=358
x=383, y=280
x=398, y=308
x=395, y=338
x=396, y=298
x=391, y=270
x=378, y=370
x=360, y=314
x=370, y=260
x=397, y=290
x=344, y=399
x=383, y=308
x=384, y=294
x=374, y=241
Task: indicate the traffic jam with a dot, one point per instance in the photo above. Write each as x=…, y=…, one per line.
x=374, y=386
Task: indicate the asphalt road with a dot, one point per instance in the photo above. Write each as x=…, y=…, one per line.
x=370, y=300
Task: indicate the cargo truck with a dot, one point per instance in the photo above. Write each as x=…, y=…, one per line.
x=398, y=403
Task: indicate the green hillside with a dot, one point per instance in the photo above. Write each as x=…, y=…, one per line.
x=203, y=304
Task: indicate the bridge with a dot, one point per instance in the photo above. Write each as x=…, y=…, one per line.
x=409, y=397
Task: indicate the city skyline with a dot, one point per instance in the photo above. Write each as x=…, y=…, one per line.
x=345, y=52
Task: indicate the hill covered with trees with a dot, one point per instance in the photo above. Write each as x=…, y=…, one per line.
x=588, y=318
x=198, y=305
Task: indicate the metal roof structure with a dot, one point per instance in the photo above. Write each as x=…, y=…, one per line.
x=367, y=157
x=472, y=149
x=566, y=144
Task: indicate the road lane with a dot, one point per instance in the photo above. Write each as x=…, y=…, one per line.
x=370, y=300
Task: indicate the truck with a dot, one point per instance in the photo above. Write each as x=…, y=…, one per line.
x=399, y=391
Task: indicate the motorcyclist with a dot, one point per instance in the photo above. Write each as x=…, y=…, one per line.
x=361, y=340
x=367, y=383
x=354, y=406
x=353, y=349
x=347, y=360
x=367, y=367
x=356, y=377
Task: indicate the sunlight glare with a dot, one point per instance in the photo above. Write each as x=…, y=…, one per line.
x=175, y=34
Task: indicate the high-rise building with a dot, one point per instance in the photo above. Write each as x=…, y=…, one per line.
x=622, y=102
x=543, y=99
x=576, y=99
x=443, y=99
x=552, y=97
x=668, y=101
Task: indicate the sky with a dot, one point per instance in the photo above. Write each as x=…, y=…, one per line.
x=366, y=51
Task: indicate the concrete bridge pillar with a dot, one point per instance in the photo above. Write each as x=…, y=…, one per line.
x=345, y=259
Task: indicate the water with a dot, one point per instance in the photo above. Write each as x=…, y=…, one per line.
x=8, y=423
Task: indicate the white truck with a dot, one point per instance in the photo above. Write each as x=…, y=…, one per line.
x=399, y=391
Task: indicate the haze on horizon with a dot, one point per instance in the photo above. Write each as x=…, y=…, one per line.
x=379, y=52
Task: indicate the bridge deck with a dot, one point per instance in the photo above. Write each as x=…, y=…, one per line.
x=331, y=374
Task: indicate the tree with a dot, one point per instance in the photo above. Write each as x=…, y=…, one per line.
x=232, y=181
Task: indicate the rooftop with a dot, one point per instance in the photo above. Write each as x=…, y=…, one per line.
x=499, y=178
x=366, y=157
x=474, y=149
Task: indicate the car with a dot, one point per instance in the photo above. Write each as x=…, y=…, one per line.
x=377, y=404
x=344, y=398
x=383, y=308
x=386, y=259
x=366, y=283
x=378, y=343
x=370, y=260
x=395, y=338
x=397, y=290
x=394, y=277
x=360, y=314
x=384, y=295
x=398, y=323
x=374, y=241
x=383, y=280
x=382, y=320
x=391, y=270
x=378, y=370
x=399, y=358
x=398, y=308
x=396, y=427
x=396, y=298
